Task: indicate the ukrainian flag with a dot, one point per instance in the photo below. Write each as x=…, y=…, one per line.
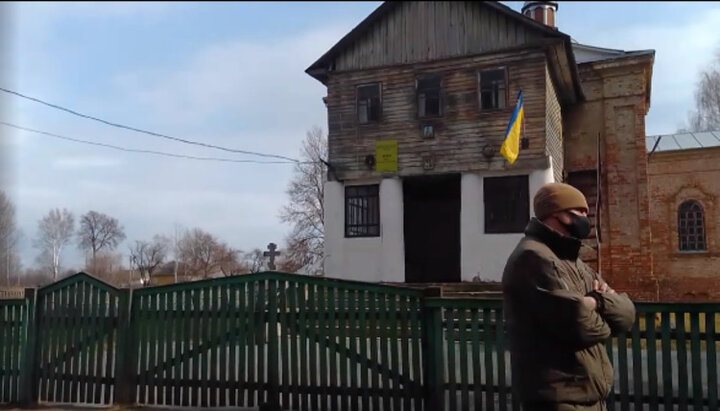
x=511, y=146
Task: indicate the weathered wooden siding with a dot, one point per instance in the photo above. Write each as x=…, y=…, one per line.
x=460, y=134
x=553, y=127
x=424, y=31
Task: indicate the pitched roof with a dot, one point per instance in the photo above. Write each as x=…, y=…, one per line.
x=319, y=68
x=682, y=141
x=586, y=54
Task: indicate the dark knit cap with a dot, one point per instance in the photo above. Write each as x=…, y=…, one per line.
x=554, y=197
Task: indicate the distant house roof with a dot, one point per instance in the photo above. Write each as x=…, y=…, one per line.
x=586, y=54
x=683, y=141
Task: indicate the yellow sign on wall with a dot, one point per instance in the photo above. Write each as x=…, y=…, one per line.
x=386, y=156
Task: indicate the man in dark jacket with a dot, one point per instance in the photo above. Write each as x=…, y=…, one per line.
x=559, y=312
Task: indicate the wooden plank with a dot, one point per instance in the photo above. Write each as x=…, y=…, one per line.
x=355, y=334
x=344, y=323
x=476, y=359
x=176, y=349
x=652, y=359
x=384, y=347
x=110, y=348
x=211, y=348
x=503, y=390
x=273, y=381
x=365, y=332
x=303, y=346
x=405, y=337
x=224, y=344
x=233, y=327
x=488, y=347
x=393, y=344
x=314, y=343
x=697, y=383
x=323, y=335
x=637, y=367
x=252, y=342
x=153, y=320
x=292, y=328
x=4, y=354
x=197, y=331
x=262, y=341
x=44, y=336
x=166, y=343
x=682, y=360
x=332, y=337
x=243, y=366
x=464, y=377
x=53, y=345
x=186, y=331
x=70, y=323
x=712, y=363
x=450, y=315
x=623, y=365
x=667, y=373
x=373, y=334
x=416, y=328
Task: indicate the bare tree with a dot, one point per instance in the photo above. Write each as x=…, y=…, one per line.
x=108, y=266
x=54, y=233
x=254, y=261
x=199, y=251
x=99, y=232
x=706, y=116
x=229, y=261
x=305, y=208
x=9, y=236
x=147, y=256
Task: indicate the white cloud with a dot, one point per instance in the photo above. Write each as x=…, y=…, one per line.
x=86, y=162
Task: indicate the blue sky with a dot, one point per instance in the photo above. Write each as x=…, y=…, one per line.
x=232, y=74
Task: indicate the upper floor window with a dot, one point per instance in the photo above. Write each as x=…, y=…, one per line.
x=507, y=204
x=691, y=226
x=428, y=96
x=369, y=103
x=492, y=86
x=362, y=211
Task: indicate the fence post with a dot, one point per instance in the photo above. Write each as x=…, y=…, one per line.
x=432, y=350
x=125, y=375
x=28, y=371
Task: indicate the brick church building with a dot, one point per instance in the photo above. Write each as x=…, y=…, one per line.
x=419, y=95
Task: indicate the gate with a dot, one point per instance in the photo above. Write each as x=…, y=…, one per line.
x=76, y=341
x=286, y=340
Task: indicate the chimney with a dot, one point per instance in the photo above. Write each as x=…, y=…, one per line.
x=541, y=11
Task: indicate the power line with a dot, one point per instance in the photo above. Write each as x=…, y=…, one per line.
x=131, y=150
x=152, y=133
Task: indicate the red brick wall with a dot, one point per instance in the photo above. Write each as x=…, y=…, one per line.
x=674, y=178
x=615, y=109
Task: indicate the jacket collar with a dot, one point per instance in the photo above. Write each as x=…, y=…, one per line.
x=567, y=248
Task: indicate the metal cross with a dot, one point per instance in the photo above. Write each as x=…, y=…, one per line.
x=272, y=254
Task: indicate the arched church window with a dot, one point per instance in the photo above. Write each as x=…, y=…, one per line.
x=691, y=226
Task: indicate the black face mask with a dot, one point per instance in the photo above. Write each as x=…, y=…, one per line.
x=579, y=226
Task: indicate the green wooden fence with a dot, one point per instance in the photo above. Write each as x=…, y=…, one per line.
x=306, y=343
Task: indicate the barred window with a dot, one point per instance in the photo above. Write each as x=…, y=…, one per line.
x=362, y=211
x=691, y=226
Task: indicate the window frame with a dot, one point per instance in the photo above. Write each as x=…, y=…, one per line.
x=682, y=210
x=509, y=227
x=371, y=216
x=479, y=88
x=377, y=84
x=440, y=110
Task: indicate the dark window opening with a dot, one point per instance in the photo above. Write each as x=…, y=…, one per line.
x=493, y=89
x=368, y=103
x=428, y=96
x=691, y=227
x=362, y=211
x=507, y=205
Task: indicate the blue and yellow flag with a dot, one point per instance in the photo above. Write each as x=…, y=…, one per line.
x=511, y=146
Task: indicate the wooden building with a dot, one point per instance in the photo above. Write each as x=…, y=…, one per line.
x=419, y=96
